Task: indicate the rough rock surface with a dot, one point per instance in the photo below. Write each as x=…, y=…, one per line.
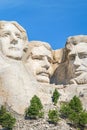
x=40, y=124
x=33, y=68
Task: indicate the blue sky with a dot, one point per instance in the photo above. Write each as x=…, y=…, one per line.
x=52, y=21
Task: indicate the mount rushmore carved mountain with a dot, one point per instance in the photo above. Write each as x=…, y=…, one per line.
x=29, y=68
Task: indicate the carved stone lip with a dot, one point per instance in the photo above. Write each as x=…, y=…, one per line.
x=43, y=74
x=78, y=72
x=14, y=48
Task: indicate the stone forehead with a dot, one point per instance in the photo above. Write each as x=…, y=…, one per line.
x=80, y=48
x=17, y=25
x=74, y=40
x=33, y=44
x=41, y=50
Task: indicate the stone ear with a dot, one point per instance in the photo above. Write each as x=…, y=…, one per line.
x=25, y=47
x=69, y=46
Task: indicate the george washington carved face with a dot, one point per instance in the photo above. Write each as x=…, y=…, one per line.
x=11, y=41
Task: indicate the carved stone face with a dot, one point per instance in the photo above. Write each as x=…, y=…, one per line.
x=11, y=42
x=78, y=62
x=40, y=63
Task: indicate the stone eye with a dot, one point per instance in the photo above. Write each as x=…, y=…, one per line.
x=49, y=60
x=35, y=58
x=83, y=56
x=5, y=34
x=18, y=35
x=72, y=57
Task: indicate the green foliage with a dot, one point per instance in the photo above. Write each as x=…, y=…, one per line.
x=2, y=110
x=53, y=116
x=74, y=112
x=83, y=118
x=65, y=110
x=55, y=96
x=78, y=119
x=41, y=114
x=35, y=108
x=74, y=118
x=76, y=104
x=6, y=119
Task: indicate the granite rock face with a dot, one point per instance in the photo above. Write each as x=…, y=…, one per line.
x=72, y=68
x=29, y=68
x=15, y=82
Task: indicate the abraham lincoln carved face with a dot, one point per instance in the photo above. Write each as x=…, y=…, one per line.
x=77, y=59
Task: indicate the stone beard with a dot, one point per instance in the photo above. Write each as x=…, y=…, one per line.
x=77, y=63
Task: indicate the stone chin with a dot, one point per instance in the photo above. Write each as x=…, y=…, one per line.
x=14, y=55
x=43, y=79
x=81, y=79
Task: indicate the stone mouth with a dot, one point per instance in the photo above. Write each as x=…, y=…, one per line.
x=14, y=48
x=43, y=74
x=78, y=72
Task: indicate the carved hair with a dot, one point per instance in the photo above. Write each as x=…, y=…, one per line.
x=72, y=41
x=19, y=27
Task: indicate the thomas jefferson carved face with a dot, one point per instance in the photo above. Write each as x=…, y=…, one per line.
x=77, y=58
x=40, y=63
x=11, y=41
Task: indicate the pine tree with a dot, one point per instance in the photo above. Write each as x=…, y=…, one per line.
x=74, y=112
x=65, y=110
x=35, y=109
x=75, y=104
x=6, y=119
x=53, y=116
x=83, y=118
x=55, y=96
x=2, y=110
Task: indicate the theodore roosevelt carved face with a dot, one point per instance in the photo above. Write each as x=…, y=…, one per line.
x=77, y=59
x=39, y=59
x=12, y=39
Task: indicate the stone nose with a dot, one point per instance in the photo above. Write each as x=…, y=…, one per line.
x=13, y=39
x=77, y=61
x=46, y=63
